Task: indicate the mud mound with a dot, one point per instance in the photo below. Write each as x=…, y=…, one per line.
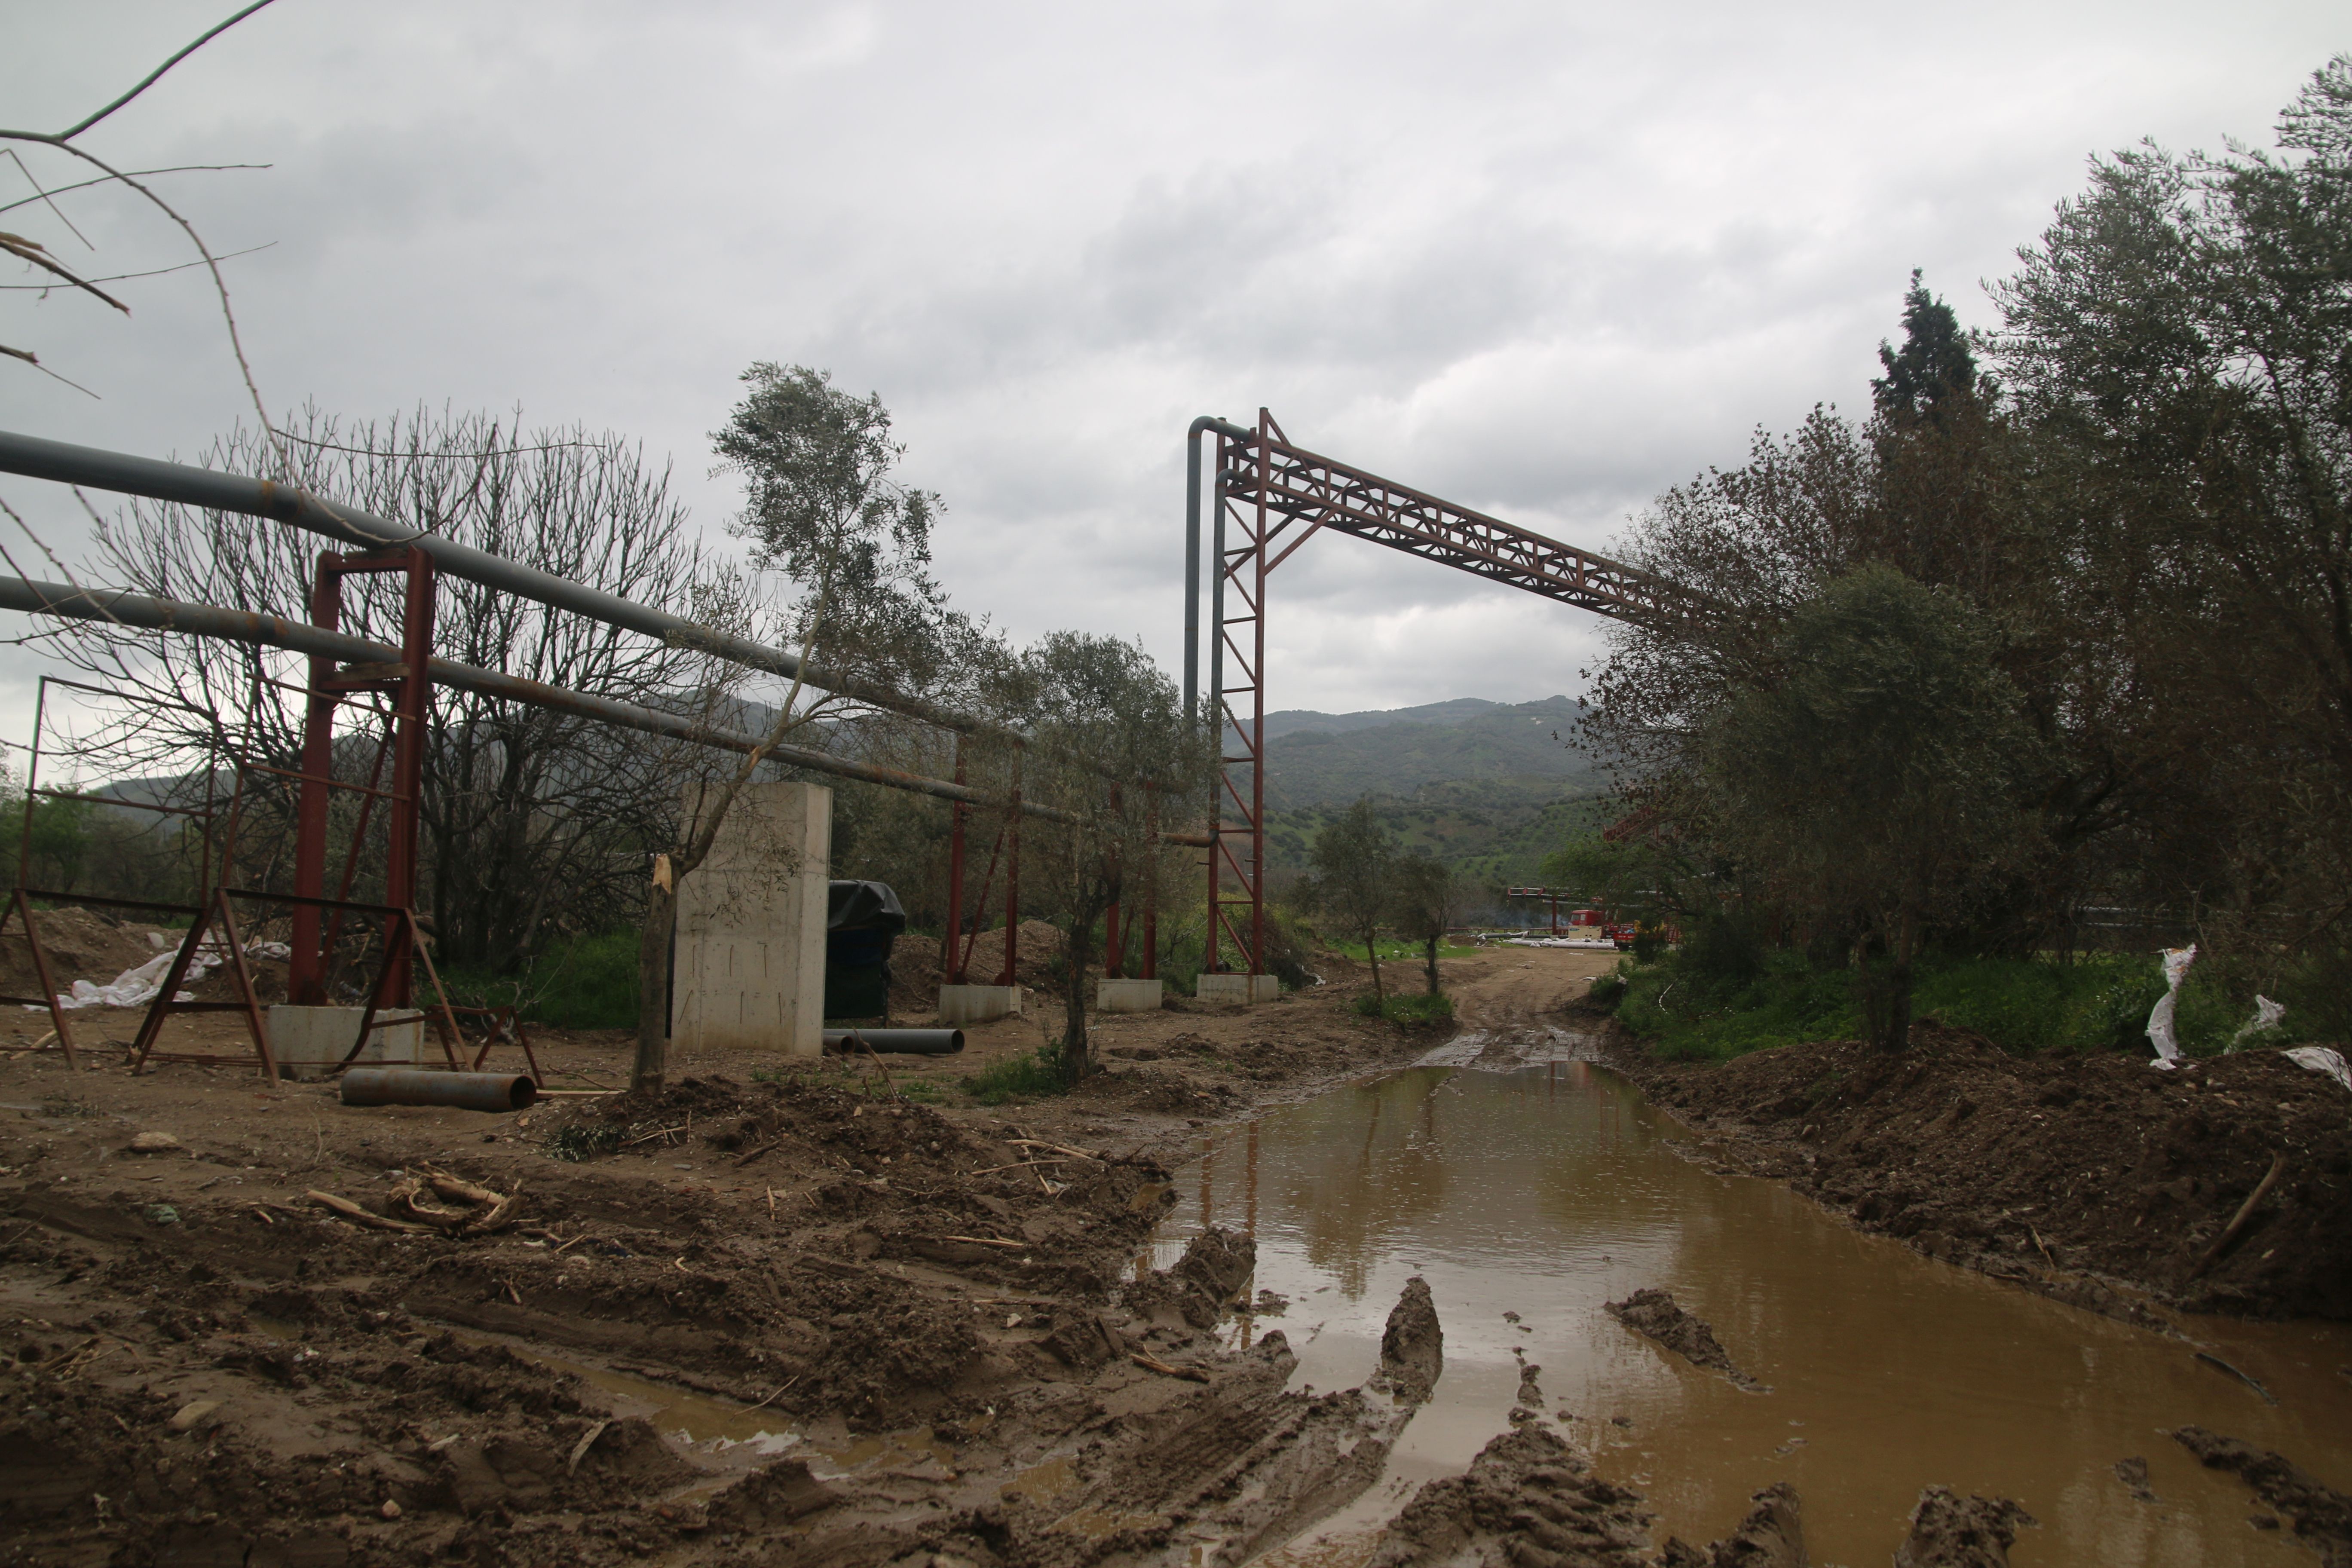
x=81, y=944
x=1654, y=1314
x=1199, y=1287
x=2042, y=1169
x=1949, y=1531
x=916, y=970
x=1771, y=1536
x=2321, y=1515
x=428, y=1439
x=1413, y=1345
x=1527, y=1498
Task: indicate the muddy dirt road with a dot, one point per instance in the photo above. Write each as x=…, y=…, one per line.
x=814, y=1318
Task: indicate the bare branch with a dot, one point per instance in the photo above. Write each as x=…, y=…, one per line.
x=157, y=272
x=41, y=196
x=150, y=80
x=110, y=179
x=16, y=245
x=31, y=359
x=220, y=287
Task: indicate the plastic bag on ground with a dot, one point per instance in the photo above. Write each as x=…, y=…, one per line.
x=2323, y=1059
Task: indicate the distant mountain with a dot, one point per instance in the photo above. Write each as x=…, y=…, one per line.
x=1490, y=788
x=1330, y=759
x=1290, y=720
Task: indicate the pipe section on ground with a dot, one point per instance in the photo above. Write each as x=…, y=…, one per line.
x=905, y=1042
x=493, y=1091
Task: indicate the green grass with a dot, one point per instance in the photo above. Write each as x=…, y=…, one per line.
x=1032, y=1074
x=1414, y=1009
x=578, y=982
x=2098, y=1002
x=1398, y=951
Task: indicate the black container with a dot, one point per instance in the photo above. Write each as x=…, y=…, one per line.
x=862, y=920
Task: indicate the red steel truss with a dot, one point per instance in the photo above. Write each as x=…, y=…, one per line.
x=1268, y=497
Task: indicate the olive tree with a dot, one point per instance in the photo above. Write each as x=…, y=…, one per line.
x=1352, y=880
x=1107, y=743
x=1876, y=779
x=825, y=510
x=1427, y=900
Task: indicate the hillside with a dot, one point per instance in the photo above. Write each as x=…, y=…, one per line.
x=1330, y=759
x=1490, y=788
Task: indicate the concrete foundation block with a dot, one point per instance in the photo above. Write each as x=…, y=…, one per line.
x=310, y=1042
x=1237, y=989
x=1127, y=995
x=750, y=971
x=961, y=1004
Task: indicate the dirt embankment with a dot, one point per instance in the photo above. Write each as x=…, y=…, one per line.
x=2068, y=1175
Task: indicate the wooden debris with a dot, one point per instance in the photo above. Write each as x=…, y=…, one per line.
x=989, y=1241
x=2246, y=1212
x=1167, y=1369
x=580, y=1449
x=350, y=1211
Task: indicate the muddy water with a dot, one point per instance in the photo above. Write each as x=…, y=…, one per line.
x=1547, y=1189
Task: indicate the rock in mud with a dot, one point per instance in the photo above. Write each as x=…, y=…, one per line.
x=2133, y=1473
x=1528, y=1501
x=2322, y=1516
x=1771, y=1536
x=1949, y=1532
x=1413, y=1346
x=1654, y=1314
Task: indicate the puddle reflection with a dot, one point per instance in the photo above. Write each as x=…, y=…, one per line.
x=1546, y=1191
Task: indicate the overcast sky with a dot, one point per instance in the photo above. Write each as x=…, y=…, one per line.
x=1542, y=259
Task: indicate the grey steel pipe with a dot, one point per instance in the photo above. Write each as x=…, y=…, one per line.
x=276, y=631
x=905, y=1042
x=1193, y=555
x=65, y=463
x=491, y=1091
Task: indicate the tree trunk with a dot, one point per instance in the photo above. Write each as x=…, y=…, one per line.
x=1372, y=951
x=653, y=983
x=1432, y=965
x=1076, y=1059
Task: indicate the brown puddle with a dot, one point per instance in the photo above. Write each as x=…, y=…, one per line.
x=1549, y=1190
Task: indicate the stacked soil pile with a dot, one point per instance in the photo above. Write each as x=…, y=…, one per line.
x=81, y=944
x=915, y=964
x=2045, y=1169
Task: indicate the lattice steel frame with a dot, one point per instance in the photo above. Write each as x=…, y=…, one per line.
x=1260, y=486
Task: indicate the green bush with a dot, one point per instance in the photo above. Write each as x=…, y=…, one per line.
x=577, y=983
x=1031, y=1075
x=1692, y=1005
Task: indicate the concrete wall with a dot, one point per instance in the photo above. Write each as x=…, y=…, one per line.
x=750, y=926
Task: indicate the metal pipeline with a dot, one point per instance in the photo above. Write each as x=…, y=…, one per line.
x=276, y=631
x=1192, y=554
x=491, y=1091
x=906, y=1042
x=213, y=491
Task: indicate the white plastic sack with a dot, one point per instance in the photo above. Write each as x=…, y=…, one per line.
x=2177, y=961
x=2323, y=1059
x=137, y=987
x=2267, y=1014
